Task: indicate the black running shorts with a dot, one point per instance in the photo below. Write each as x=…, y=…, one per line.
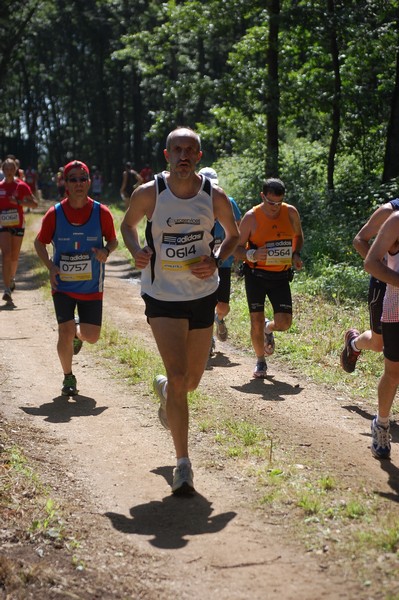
x=89, y=311
x=278, y=292
x=390, y=336
x=17, y=231
x=200, y=313
x=223, y=292
x=375, y=301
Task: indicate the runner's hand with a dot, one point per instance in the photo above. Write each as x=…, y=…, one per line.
x=54, y=272
x=204, y=268
x=142, y=257
x=100, y=254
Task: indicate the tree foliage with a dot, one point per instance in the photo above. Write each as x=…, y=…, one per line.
x=106, y=80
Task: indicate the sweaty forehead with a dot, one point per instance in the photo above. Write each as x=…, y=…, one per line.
x=184, y=138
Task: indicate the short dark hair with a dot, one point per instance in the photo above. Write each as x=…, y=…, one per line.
x=273, y=185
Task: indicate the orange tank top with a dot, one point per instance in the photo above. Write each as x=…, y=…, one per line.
x=277, y=234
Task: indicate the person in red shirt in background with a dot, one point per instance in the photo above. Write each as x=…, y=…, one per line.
x=76, y=227
x=14, y=196
x=146, y=173
x=60, y=183
x=31, y=178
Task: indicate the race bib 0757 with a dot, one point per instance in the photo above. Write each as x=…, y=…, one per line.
x=75, y=267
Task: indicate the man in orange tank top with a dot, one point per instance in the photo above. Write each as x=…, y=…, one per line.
x=271, y=239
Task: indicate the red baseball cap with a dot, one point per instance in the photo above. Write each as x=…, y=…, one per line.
x=76, y=164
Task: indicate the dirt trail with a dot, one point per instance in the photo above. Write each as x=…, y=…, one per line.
x=109, y=451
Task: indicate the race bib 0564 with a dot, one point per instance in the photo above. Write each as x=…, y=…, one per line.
x=279, y=252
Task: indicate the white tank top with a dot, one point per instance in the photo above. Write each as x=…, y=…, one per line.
x=179, y=232
x=390, y=311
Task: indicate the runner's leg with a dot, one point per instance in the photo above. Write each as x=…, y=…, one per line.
x=171, y=336
x=6, y=254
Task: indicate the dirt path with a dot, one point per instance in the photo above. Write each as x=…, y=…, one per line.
x=108, y=454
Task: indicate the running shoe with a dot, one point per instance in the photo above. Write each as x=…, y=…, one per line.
x=158, y=386
x=381, y=444
x=269, y=341
x=212, y=349
x=260, y=371
x=221, y=329
x=69, y=386
x=349, y=356
x=183, y=480
x=77, y=343
x=12, y=286
x=7, y=298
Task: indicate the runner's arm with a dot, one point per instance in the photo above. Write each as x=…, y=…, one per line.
x=223, y=212
x=109, y=234
x=43, y=254
x=141, y=205
x=361, y=241
x=245, y=230
x=298, y=237
x=124, y=182
x=386, y=240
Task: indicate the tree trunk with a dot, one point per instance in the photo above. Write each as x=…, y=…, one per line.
x=391, y=160
x=336, y=103
x=273, y=92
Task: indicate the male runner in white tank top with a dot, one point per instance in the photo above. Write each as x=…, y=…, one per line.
x=179, y=278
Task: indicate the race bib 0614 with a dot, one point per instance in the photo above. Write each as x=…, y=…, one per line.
x=179, y=251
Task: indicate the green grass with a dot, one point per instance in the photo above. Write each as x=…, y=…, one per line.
x=127, y=356
x=25, y=498
x=313, y=344
x=240, y=438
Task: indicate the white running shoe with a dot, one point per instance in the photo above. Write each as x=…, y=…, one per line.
x=183, y=480
x=159, y=386
x=7, y=297
x=381, y=440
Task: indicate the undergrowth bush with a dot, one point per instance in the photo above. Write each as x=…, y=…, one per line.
x=337, y=282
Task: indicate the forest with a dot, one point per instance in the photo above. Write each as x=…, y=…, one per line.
x=306, y=90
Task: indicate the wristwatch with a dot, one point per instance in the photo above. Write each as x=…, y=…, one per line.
x=250, y=255
x=218, y=261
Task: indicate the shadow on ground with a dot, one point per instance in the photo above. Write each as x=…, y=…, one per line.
x=62, y=409
x=386, y=465
x=167, y=521
x=270, y=389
